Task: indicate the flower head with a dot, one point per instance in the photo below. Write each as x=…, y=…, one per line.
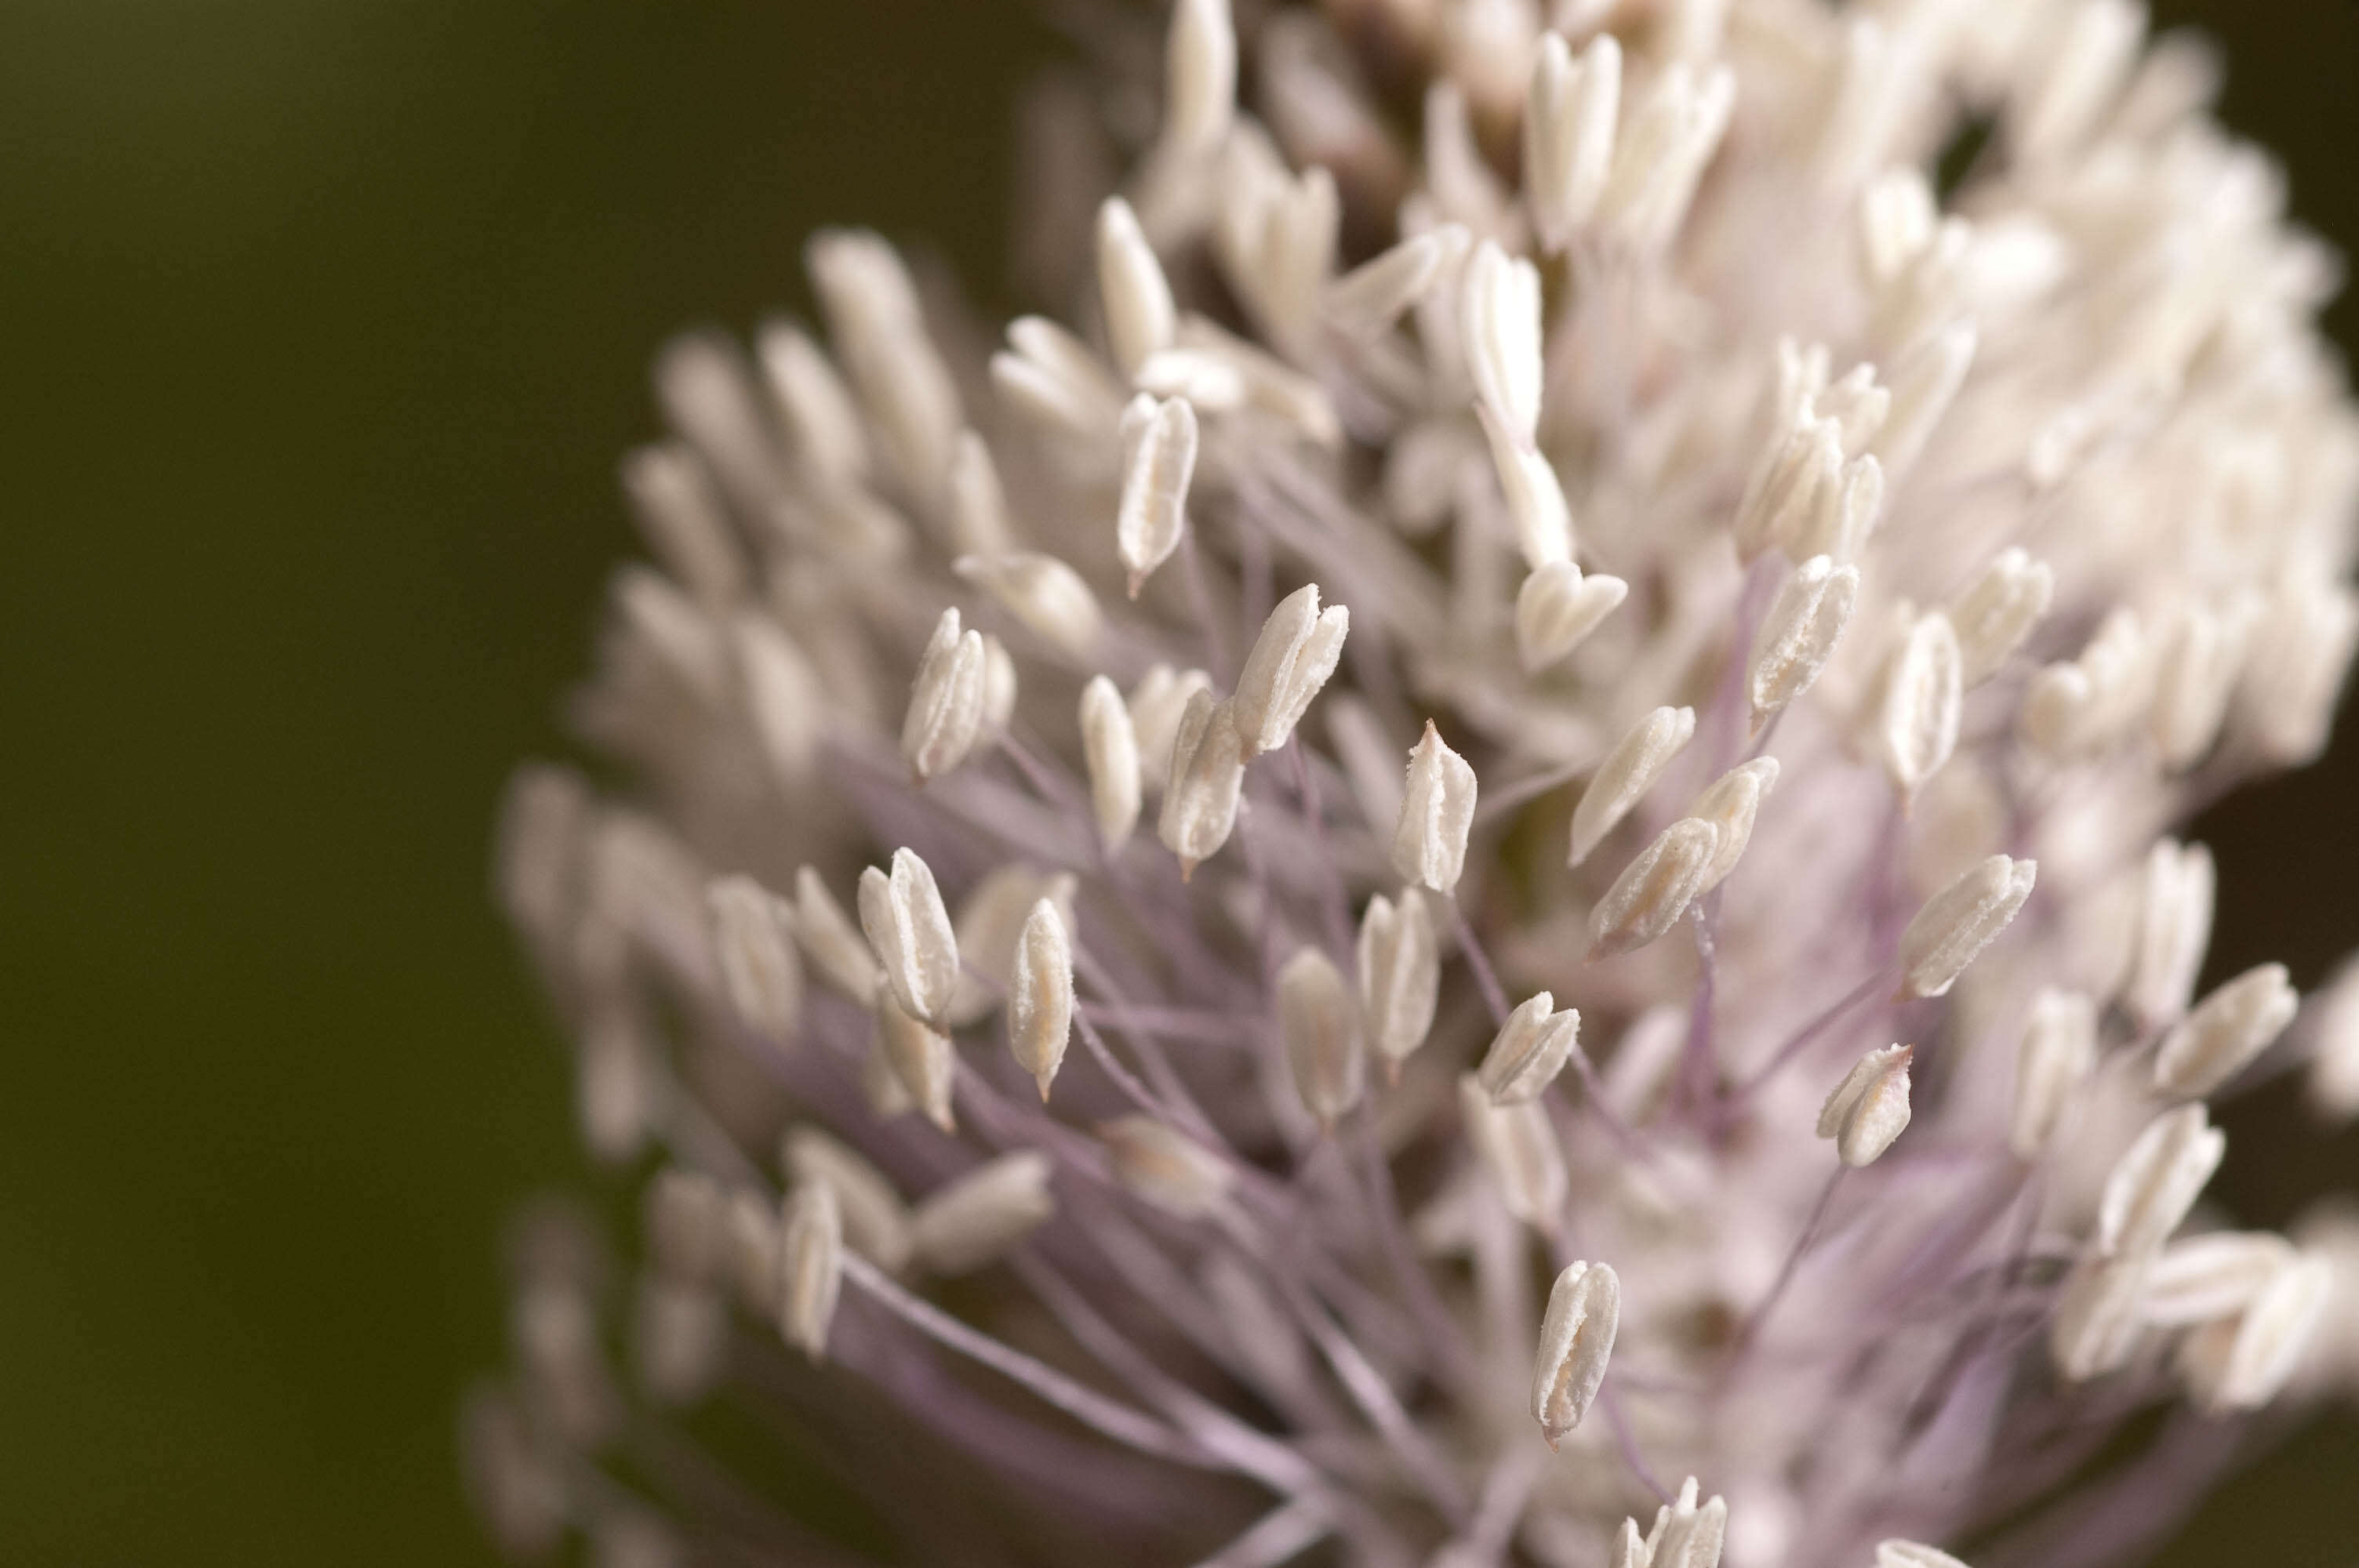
x=1860, y=575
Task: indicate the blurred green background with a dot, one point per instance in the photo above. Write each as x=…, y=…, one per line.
x=326, y=321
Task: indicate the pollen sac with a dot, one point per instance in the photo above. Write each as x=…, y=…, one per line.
x=1400, y=976
x=1799, y=633
x=2242, y=1363
x=1040, y=994
x=1993, y=616
x=875, y=1221
x=2157, y=1181
x=1536, y=502
x=811, y=1259
x=921, y=1057
x=985, y=1215
x=2205, y=1278
x=1159, y=464
x=1530, y=1049
x=1869, y=1109
x=1925, y=380
x=1167, y=1169
x=909, y=931
x=1368, y=299
x=1139, y=314
x=1956, y=924
x=1557, y=607
x=1208, y=769
x=1584, y=1308
x=1896, y=1553
x=1500, y=319
x=1157, y=704
x=2174, y=929
x=1044, y=593
x=1322, y=1030
x=1686, y=1535
x=1569, y=126
x=753, y=938
x=1801, y=477
x=2058, y=1054
x=946, y=700
x=2096, y=1324
x=1437, y=811
x=978, y=503
x=1918, y=696
x=1291, y=659
x=1625, y=775
x=1518, y=1147
x=1731, y=804
x=1654, y=890
x=2195, y=669
x=1110, y=758
x=2226, y=1031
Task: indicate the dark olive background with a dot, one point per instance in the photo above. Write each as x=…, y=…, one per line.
x=325, y=320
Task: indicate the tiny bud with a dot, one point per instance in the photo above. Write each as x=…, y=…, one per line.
x=1040, y=994
x=1500, y=317
x=2096, y=1324
x=1175, y=1173
x=1400, y=976
x=983, y=1216
x=753, y=937
x=1369, y=298
x=1956, y=924
x=2174, y=927
x=2157, y=1181
x=1568, y=134
x=920, y=1056
x=1869, y=1109
x=1110, y=756
x=2058, y=1054
x=910, y=933
x=1730, y=805
x=2235, y=1024
x=875, y=1221
x=2205, y=1278
x=1437, y=811
x=1291, y=659
x=1323, y=1035
x=945, y=701
x=1519, y=1150
x=1140, y=315
x=2241, y=1364
x=1044, y=593
x=1530, y=1049
x=1799, y=633
x=1993, y=616
x=810, y=1257
x=1918, y=697
x=1208, y=769
x=1584, y=1308
x=1628, y=772
x=1160, y=463
x=1654, y=890
x=1557, y=607
x=1909, y=1554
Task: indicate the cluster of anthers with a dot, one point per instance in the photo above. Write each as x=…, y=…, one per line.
x=1858, y=475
